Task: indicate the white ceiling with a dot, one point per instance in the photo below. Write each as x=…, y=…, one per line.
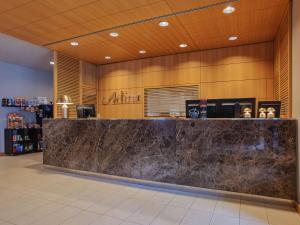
x=13, y=50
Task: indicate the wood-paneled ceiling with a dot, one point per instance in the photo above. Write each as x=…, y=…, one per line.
x=55, y=23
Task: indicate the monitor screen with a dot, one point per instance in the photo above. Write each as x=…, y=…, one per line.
x=86, y=111
x=230, y=108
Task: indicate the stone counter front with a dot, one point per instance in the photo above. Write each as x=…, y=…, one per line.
x=250, y=156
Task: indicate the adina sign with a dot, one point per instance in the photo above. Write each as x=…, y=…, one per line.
x=121, y=98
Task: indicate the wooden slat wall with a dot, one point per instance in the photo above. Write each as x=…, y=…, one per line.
x=75, y=78
x=88, y=83
x=243, y=71
x=67, y=82
x=165, y=100
x=282, y=65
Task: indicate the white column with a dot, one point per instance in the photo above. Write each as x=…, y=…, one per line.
x=296, y=72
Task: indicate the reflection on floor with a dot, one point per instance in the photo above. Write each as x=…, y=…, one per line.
x=32, y=195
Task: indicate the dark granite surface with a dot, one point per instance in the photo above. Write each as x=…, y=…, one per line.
x=251, y=156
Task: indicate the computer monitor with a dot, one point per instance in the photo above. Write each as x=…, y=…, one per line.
x=86, y=111
x=230, y=108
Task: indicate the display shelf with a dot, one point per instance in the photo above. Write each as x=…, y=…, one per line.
x=17, y=106
x=18, y=147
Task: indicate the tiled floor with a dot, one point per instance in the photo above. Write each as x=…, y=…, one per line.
x=31, y=195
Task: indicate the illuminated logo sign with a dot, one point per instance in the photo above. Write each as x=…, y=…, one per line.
x=121, y=98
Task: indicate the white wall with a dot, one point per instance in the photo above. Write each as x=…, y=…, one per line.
x=16, y=80
x=296, y=72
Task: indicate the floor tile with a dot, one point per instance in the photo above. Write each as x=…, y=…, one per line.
x=145, y=194
x=228, y=207
x=83, y=218
x=224, y=220
x=282, y=215
x=170, y=215
x=196, y=217
x=30, y=195
x=182, y=201
x=146, y=213
x=58, y=217
x=106, y=220
x=32, y=216
x=126, y=208
x=5, y=223
x=205, y=203
x=251, y=222
x=128, y=223
x=106, y=204
x=253, y=212
x=162, y=198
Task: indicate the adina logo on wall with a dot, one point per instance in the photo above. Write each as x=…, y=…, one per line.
x=121, y=98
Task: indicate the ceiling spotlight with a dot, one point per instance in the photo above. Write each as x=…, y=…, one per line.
x=51, y=62
x=164, y=24
x=232, y=38
x=74, y=43
x=107, y=57
x=142, y=51
x=183, y=45
x=228, y=10
x=114, y=34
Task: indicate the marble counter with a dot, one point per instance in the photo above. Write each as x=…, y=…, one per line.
x=252, y=156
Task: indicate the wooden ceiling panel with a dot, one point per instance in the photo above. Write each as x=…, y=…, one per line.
x=13, y=22
x=261, y=4
x=116, y=6
x=158, y=8
x=8, y=5
x=31, y=12
x=152, y=38
x=100, y=9
x=179, y=5
x=94, y=49
x=25, y=34
x=50, y=25
x=63, y=5
x=55, y=23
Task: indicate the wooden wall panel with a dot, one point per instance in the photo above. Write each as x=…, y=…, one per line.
x=89, y=96
x=88, y=83
x=67, y=82
x=238, y=71
x=241, y=54
x=88, y=74
x=75, y=78
x=235, y=89
x=243, y=71
x=172, y=77
x=121, y=110
x=282, y=65
x=120, y=82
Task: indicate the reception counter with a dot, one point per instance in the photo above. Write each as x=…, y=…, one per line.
x=253, y=156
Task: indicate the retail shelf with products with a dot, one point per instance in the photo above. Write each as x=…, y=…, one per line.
x=23, y=140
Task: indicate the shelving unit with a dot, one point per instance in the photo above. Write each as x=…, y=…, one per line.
x=22, y=141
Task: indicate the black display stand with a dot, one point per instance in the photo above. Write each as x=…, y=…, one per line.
x=22, y=141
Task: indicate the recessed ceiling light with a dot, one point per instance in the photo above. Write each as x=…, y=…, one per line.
x=107, y=57
x=183, y=45
x=74, y=43
x=51, y=62
x=232, y=38
x=114, y=34
x=164, y=24
x=142, y=51
x=228, y=10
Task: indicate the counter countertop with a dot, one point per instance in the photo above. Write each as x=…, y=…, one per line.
x=234, y=119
